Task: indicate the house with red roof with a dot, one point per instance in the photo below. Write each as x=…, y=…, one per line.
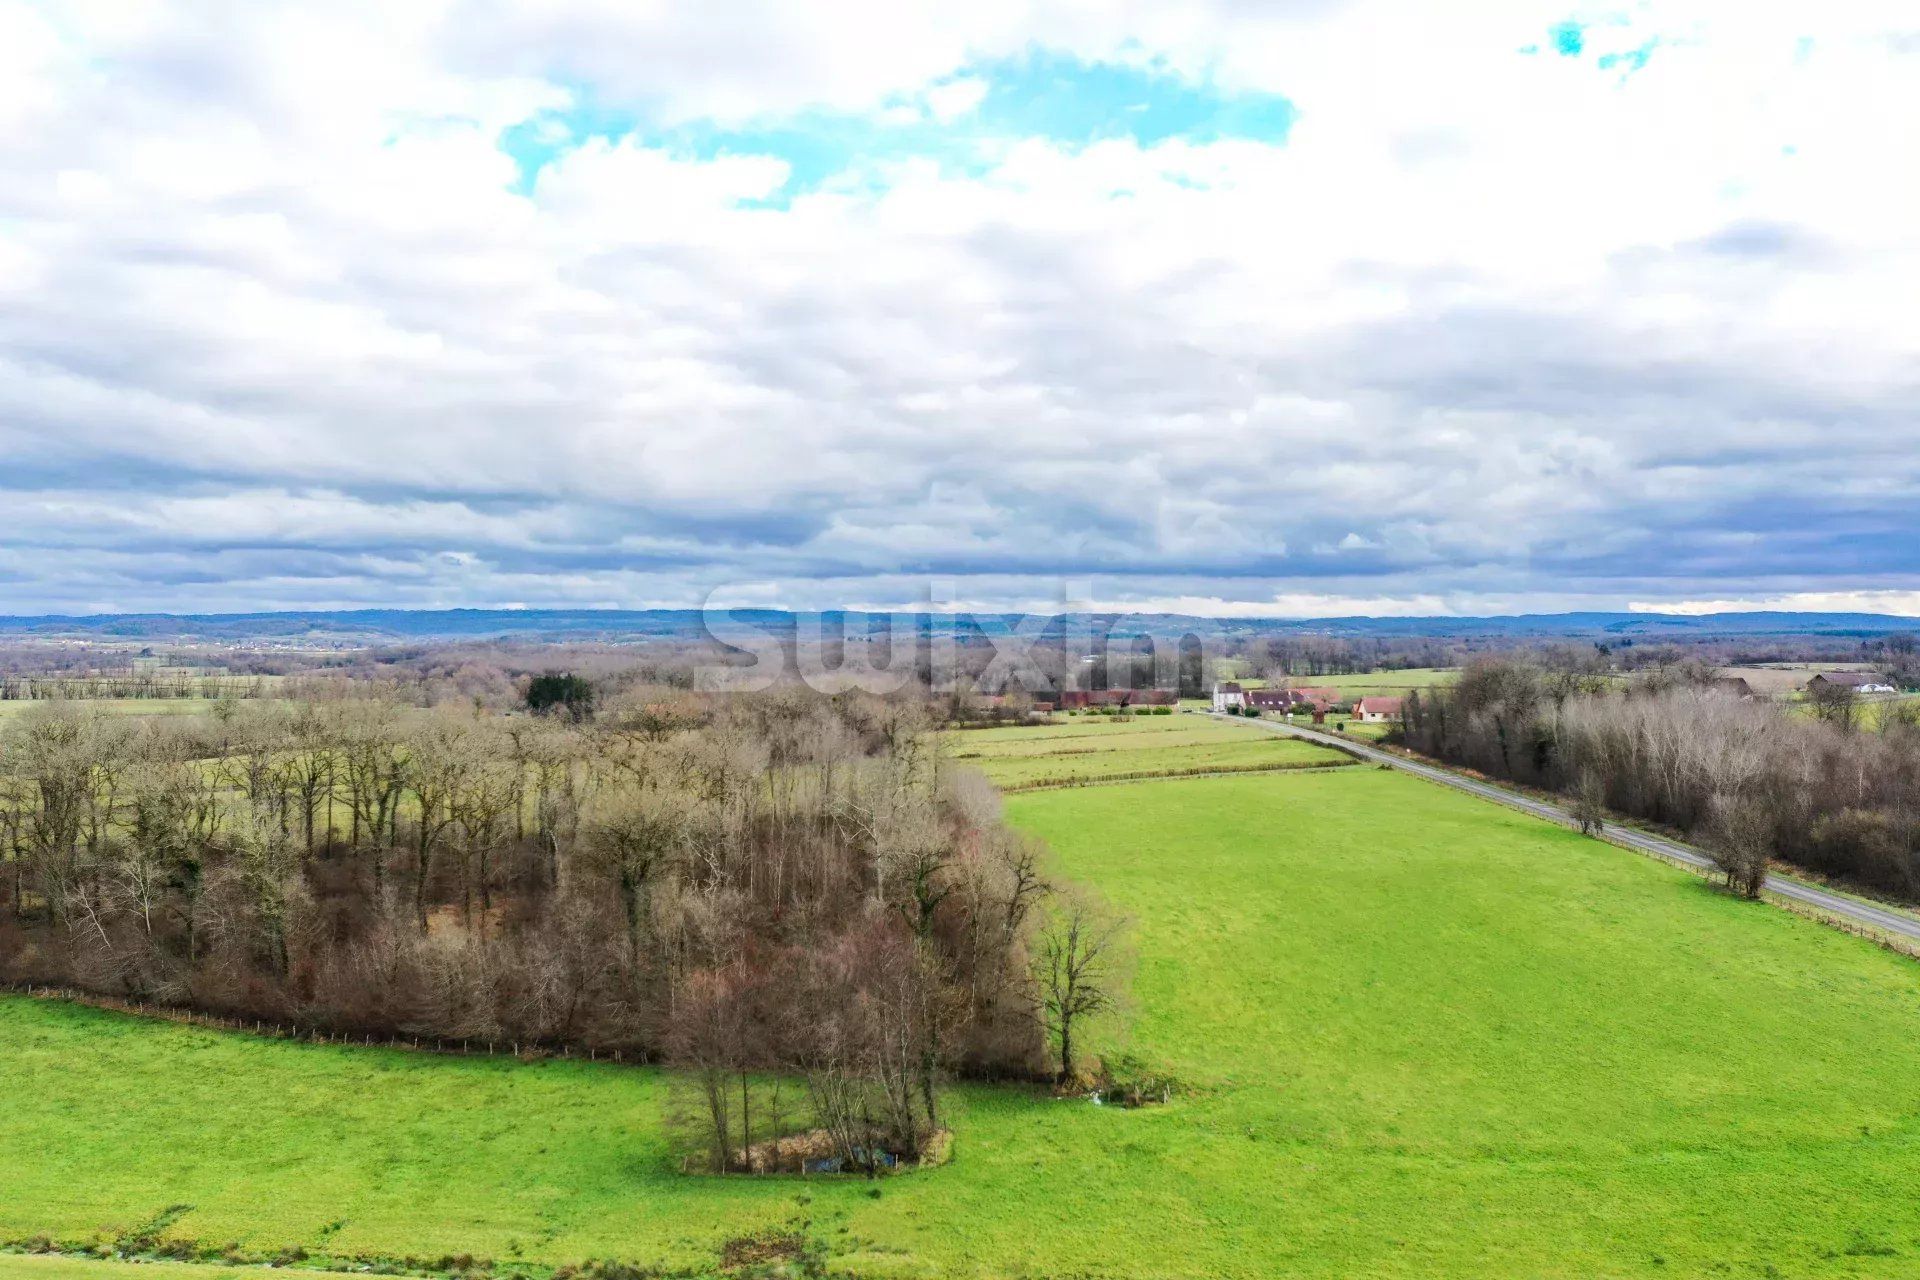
x=1231, y=696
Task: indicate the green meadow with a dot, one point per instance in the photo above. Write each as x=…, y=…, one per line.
x=1358, y=684
x=1868, y=713
x=1417, y=1035
x=1361, y=683
x=1079, y=729
x=1148, y=746
x=60, y=1267
x=1366, y=684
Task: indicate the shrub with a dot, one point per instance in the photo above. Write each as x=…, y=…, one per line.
x=561, y=692
x=1128, y=1080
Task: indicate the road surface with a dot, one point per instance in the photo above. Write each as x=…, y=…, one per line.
x=1852, y=909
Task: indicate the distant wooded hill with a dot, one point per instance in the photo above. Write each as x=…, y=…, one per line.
x=376, y=625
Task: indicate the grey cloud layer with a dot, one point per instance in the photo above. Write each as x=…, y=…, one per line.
x=276, y=329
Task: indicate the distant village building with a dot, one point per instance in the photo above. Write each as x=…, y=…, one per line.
x=1229, y=696
x=1737, y=686
x=1858, y=681
x=1373, y=710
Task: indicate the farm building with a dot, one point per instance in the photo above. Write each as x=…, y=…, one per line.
x=1858, y=681
x=1292, y=699
x=1737, y=686
x=1372, y=710
x=1231, y=696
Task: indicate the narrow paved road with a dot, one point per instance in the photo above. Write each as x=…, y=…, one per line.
x=1863, y=913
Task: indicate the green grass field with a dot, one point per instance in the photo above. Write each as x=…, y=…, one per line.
x=1078, y=726
x=1359, y=684
x=1097, y=749
x=1420, y=1036
x=1384, y=682
x=1868, y=712
x=1372, y=731
x=58, y=1267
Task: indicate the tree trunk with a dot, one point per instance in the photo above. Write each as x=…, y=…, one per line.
x=423, y=863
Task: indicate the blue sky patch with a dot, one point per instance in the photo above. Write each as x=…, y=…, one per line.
x=1574, y=39
x=1037, y=95
x=1629, y=60
x=1064, y=100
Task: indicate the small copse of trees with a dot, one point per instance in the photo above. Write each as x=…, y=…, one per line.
x=798, y=898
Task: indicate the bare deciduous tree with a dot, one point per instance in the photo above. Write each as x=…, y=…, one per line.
x=1590, y=804
x=1080, y=971
x=1739, y=840
x=1836, y=704
x=742, y=884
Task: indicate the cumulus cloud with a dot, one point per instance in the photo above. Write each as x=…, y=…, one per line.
x=955, y=98
x=284, y=322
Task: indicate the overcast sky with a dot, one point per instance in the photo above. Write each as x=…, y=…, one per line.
x=1220, y=306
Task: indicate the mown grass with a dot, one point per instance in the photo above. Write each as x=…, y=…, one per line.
x=1419, y=1036
x=1360, y=683
x=59, y=1267
x=1372, y=731
x=1142, y=747
x=1385, y=681
x=1135, y=736
x=1242, y=754
x=1075, y=726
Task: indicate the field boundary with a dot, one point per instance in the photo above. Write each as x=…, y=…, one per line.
x=521, y=1050
x=133, y=1248
x=1179, y=775
x=48, y=1248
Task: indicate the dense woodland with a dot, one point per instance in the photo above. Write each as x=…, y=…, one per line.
x=772, y=883
x=1833, y=790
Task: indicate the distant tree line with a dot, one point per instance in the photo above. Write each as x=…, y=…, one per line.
x=1748, y=779
x=134, y=684
x=751, y=886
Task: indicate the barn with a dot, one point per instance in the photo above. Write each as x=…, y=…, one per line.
x=1858, y=681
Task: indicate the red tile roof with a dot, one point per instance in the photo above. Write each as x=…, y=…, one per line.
x=1378, y=706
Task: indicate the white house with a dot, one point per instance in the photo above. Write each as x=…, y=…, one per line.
x=1229, y=696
